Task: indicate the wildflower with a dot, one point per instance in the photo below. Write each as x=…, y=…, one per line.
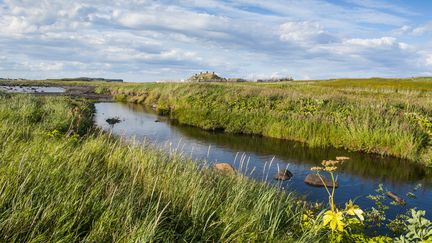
x=317, y=168
x=330, y=162
x=330, y=168
x=308, y=215
x=317, y=206
x=335, y=220
x=325, y=162
x=354, y=210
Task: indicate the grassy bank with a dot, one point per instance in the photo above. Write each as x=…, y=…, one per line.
x=60, y=181
x=383, y=116
x=378, y=119
x=63, y=180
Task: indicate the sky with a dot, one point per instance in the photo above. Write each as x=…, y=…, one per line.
x=149, y=40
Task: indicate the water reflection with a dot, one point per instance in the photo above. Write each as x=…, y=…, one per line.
x=388, y=170
x=31, y=89
x=359, y=177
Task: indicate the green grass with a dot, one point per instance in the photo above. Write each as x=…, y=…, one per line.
x=395, y=123
x=60, y=180
x=391, y=117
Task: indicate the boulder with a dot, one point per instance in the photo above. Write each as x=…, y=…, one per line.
x=283, y=175
x=225, y=168
x=314, y=180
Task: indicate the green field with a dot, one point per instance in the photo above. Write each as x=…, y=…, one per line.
x=391, y=117
x=374, y=116
x=61, y=179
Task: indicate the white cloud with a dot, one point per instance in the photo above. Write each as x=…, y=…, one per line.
x=429, y=60
x=300, y=31
x=172, y=39
x=43, y=66
x=376, y=42
x=426, y=28
x=13, y=25
x=169, y=18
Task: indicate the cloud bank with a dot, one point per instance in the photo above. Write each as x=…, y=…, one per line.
x=145, y=40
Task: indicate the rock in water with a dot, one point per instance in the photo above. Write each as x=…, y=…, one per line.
x=113, y=120
x=283, y=175
x=224, y=167
x=314, y=180
x=396, y=198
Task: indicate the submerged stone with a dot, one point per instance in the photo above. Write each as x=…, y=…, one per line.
x=224, y=167
x=315, y=180
x=396, y=198
x=283, y=175
x=113, y=120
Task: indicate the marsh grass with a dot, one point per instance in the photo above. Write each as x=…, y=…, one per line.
x=77, y=184
x=367, y=115
x=368, y=121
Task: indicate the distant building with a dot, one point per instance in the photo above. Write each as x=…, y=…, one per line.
x=206, y=77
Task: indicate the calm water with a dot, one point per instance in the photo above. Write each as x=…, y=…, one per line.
x=358, y=177
x=31, y=89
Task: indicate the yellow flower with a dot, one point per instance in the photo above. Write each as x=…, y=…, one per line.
x=352, y=209
x=334, y=219
x=342, y=158
x=316, y=168
x=330, y=168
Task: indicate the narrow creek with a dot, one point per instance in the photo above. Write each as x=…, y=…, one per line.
x=357, y=177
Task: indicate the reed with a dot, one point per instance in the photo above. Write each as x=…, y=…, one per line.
x=396, y=122
x=61, y=180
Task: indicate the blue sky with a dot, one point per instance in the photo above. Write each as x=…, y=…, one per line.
x=147, y=40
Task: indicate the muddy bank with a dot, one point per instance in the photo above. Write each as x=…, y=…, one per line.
x=85, y=92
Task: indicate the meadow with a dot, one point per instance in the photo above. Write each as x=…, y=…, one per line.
x=61, y=179
x=390, y=118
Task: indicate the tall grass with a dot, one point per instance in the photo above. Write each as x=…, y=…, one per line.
x=368, y=120
x=376, y=115
x=62, y=181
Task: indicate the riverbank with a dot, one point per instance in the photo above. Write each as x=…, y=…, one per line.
x=391, y=122
x=62, y=180
x=261, y=158
x=389, y=117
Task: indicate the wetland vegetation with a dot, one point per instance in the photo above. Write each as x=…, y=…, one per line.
x=63, y=179
x=370, y=116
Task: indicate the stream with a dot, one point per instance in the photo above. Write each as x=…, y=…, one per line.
x=260, y=157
